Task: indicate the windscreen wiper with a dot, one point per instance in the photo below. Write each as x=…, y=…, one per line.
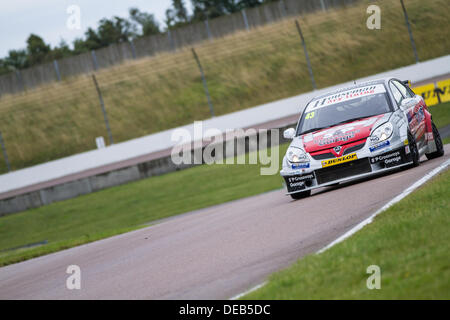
x=312, y=130
x=353, y=119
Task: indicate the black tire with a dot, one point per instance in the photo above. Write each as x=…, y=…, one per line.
x=300, y=195
x=439, y=145
x=414, y=150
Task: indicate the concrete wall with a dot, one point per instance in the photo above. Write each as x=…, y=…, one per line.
x=113, y=178
x=169, y=41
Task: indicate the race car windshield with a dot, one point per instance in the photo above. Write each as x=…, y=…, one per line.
x=318, y=117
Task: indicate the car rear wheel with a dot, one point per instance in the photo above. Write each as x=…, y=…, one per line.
x=300, y=195
x=439, y=145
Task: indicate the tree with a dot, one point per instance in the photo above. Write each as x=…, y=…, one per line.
x=208, y=9
x=146, y=22
x=115, y=30
x=251, y=3
x=37, y=49
x=180, y=11
x=16, y=59
x=61, y=51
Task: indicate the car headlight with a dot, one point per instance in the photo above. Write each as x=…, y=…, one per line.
x=382, y=133
x=296, y=155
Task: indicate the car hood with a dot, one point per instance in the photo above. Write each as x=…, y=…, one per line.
x=341, y=134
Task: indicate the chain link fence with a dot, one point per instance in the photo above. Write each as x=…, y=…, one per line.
x=170, y=41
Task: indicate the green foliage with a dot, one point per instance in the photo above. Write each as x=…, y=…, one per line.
x=37, y=49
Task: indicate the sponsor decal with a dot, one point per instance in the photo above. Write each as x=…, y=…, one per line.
x=337, y=149
x=390, y=159
x=420, y=115
x=333, y=162
x=295, y=183
x=301, y=178
x=300, y=166
x=379, y=146
x=338, y=136
x=346, y=96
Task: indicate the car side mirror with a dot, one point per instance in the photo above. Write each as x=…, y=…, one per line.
x=408, y=103
x=289, y=133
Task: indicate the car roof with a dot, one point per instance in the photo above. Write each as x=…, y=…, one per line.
x=355, y=86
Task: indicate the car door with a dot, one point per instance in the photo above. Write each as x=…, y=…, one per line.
x=415, y=111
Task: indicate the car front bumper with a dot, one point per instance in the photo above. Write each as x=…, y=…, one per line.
x=367, y=163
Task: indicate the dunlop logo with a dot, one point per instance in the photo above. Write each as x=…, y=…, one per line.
x=333, y=162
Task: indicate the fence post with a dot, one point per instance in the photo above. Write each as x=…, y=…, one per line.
x=413, y=44
x=102, y=104
x=306, y=54
x=58, y=75
x=171, y=42
x=19, y=78
x=5, y=155
x=244, y=15
x=283, y=8
x=205, y=85
x=133, y=49
x=94, y=59
x=322, y=4
x=208, y=30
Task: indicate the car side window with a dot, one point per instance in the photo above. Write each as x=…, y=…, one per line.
x=403, y=89
x=396, y=93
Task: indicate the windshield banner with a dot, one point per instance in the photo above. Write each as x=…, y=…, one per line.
x=347, y=95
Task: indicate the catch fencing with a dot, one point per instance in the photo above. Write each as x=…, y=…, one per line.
x=171, y=40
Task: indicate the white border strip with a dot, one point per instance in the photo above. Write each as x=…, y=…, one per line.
x=361, y=225
x=248, y=291
x=402, y=195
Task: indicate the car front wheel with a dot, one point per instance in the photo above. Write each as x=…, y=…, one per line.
x=300, y=195
x=414, y=150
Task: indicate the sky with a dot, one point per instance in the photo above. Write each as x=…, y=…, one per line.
x=48, y=18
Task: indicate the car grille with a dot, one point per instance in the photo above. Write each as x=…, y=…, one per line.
x=354, y=148
x=329, y=155
x=342, y=171
x=323, y=156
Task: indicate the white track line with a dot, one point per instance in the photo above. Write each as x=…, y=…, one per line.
x=248, y=291
x=361, y=225
x=402, y=195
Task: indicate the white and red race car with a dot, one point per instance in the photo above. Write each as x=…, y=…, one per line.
x=359, y=131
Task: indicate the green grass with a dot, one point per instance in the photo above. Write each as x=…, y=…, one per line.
x=410, y=242
x=105, y=213
x=242, y=70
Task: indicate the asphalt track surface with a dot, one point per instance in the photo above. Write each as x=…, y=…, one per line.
x=213, y=253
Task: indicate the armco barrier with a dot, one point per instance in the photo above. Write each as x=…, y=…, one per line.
x=108, y=179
